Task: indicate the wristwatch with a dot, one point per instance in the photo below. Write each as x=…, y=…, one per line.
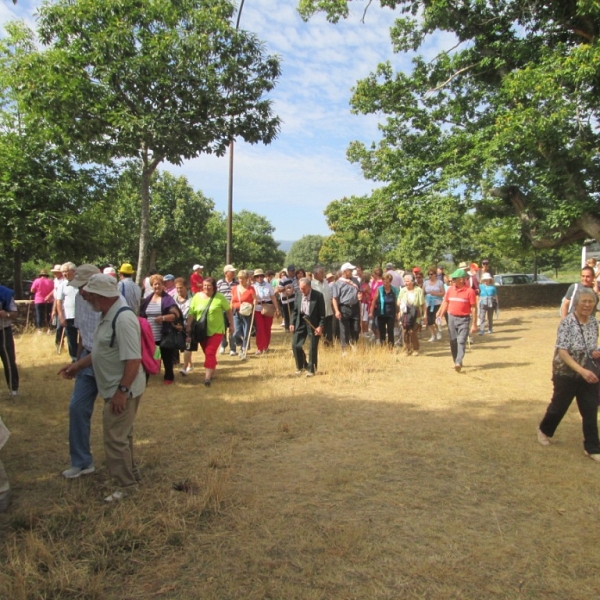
x=124, y=389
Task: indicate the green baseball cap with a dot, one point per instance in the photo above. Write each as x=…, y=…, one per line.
x=458, y=273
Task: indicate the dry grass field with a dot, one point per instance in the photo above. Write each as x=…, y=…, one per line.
x=384, y=477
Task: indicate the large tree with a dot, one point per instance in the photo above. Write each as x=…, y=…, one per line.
x=179, y=217
x=305, y=252
x=505, y=117
x=154, y=80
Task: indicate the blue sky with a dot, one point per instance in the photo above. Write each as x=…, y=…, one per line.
x=291, y=181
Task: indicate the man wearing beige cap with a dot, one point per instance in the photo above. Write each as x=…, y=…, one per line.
x=85, y=390
x=116, y=357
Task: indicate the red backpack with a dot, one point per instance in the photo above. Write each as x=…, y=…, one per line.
x=150, y=351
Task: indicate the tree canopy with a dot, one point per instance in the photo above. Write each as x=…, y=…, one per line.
x=504, y=119
x=152, y=80
x=305, y=252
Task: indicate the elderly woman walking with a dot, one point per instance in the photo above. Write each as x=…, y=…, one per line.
x=215, y=305
x=574, y=374
x=162, y=312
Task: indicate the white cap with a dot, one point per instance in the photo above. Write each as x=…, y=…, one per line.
x=347, y=266
x=195, y=267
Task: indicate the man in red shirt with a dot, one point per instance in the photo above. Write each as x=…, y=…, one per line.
x=460, y=302
x=196, y=279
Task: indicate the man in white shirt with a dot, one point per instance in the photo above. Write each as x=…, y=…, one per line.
x=65, y=306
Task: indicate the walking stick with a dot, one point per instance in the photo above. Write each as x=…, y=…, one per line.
x=7, y=359
x=27, y=319
x=249, y=340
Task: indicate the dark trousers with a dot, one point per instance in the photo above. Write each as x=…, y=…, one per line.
x=287, y=310
x=565, y=389
x=349, y=324
x=9, y=362
x=71, y=334
x=168, y=356
x=328, y=329
x=300, y=335
x=386, y=329
x=42, y=314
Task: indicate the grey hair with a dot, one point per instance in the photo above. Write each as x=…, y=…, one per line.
x=305, y=280
x=318, y=270
x=410, y=276
x=581, y=292
x=69, y=266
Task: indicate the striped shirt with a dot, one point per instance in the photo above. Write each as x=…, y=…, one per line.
x=86, y=320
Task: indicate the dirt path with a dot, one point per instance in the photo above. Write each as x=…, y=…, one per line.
x=384, y=477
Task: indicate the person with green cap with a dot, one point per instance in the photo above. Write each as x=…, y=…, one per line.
x=460, y=302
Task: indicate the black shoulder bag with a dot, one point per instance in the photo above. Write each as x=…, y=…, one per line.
x=200, y=327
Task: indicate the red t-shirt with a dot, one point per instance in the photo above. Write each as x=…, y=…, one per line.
x=196, y=283
x=460, y=301
x=247, y=295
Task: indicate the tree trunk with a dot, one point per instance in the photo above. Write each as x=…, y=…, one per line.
x=142, y=265
x=17, y=275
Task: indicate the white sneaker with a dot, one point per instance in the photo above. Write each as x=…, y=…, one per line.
x=432, y=338
x=221, y=350
x=595, y=457
x=439, y=335
x=542, y=438
x=14, y=393
x=75, y=472
x=115, y=496
x=232, y=353
x=183, y=372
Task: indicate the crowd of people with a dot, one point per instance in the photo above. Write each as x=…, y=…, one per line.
x=82, y=306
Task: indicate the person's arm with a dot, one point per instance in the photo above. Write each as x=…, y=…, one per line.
x=564, y=307
x=443, y=308
x=473, y=317
x=69, y=371
x=119, y=400
x=373, y=303
x=275, y=303
x=229, y=314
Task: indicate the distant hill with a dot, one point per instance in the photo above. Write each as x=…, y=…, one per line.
x=285, y=245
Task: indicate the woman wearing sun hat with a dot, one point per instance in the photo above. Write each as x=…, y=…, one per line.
x=43, y=288
x=488, y=302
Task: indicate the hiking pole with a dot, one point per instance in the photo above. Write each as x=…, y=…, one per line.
x=6, y=360
x=27, y=319
x=309, y=323
x=249, y=340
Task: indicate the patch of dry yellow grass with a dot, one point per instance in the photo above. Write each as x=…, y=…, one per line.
x=386, y=476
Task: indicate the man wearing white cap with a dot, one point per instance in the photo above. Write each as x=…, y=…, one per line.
x=85, y=390
x=345, y=296
x=59, y=280
x=116, y=357
x=196, y=279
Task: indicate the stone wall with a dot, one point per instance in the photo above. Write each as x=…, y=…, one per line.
x=524, y=296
